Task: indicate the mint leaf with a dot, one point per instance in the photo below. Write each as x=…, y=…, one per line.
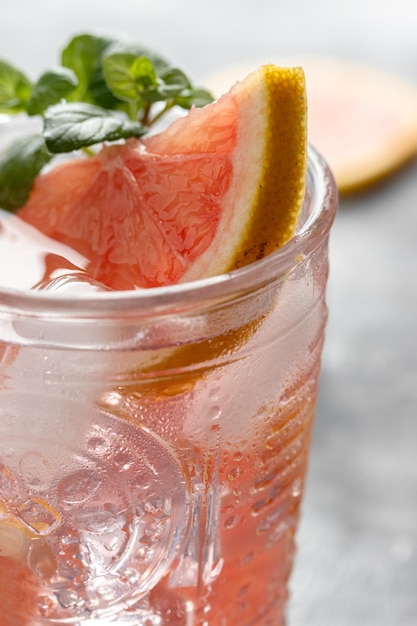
x=173, y=77
x=19, y=166
x=193, y=97
x=83, y=55
x=71, y=126
x=15, y=89
x=128, y=76
x=171, y=83
x=51, y=87
x=136, y=50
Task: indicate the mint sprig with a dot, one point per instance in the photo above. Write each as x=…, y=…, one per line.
x=105, y=89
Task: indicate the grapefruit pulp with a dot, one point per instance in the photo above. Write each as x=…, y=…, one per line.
x=218, y=189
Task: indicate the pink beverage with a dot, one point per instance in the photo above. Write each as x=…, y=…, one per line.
x=154, y=444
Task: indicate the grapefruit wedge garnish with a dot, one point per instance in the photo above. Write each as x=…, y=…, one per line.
x=218, y=189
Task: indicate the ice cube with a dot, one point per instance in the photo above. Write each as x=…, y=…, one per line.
x=25, y=253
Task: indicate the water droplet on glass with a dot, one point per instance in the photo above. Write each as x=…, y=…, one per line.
x=99, y=521
x=213, y=414
x=233, y=473
x=69, y=599
x=122, y=460
x=46, y=605
x=97, y=445
x=78, y=487
x=296, y=488
x=111, y=399
x=8, y=483
x=231, y=522
x=244, y=590
x=36, y=470
x=248, y=558
x=278, y=532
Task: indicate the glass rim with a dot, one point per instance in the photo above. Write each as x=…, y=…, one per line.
x=321, y=185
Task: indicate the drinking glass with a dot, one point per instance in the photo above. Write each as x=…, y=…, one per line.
x=154, y=444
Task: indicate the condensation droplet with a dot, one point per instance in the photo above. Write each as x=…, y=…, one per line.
x=78, y=487
x=244, y=590
x=214, y=394
x=233, y=473
x=70, y=599
x=278, y=532
x=231, y=522
x=36, y=470
x=97, y=445
x=248, y=558
x=296, y=488
x=122, y=460
x=98, y=521
x=213, y=414
x=8, y=483
x=46, y=605
x=111, y=399
x=129, y=576
x=260, y=505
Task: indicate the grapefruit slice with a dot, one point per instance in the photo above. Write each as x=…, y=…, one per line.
x=363, y=120
x=218, y=189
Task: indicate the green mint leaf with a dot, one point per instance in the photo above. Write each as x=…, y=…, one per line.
x=99, y=92
x=171, y=83
x=51, y=87
x=137, y=51
x=83, y=55
x=128, y=76
x=71, y=126
x=172, y=76
x=193, y=97
x=15, y=89
x=19, y=166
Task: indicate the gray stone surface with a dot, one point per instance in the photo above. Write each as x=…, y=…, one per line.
x=357, y=558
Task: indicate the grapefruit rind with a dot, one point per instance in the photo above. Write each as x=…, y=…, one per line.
x=263, y=203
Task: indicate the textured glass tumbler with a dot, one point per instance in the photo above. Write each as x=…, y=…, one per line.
x=154, y=444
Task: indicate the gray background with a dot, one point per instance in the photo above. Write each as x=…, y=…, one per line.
x=357, y=558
